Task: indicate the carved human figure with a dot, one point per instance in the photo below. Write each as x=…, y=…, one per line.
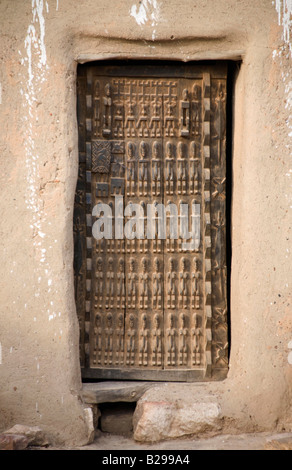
x=183, y=289
x=131, y=334
x=97, y=330
x=194, y=173
x=195, y=285
x=220, y=119
x=156, y=170
x=144, y=240
x=183, y=347
x=181, y=170
x=184, y=224
x=121, y=289
x=120, y=333
x=169, y=169
x=196, y=110
x=110, y=243
x=143, y=341
x=109, y=299
x=130, y=120
x=118, y=121
x=130, y=170
x=171, y=347
x=196, y=341
x=108, y=340
x=142, y=124
x=132, y=278
x=143, y=170
x=98, y=284
x=119, y=221
x=157, y=242
x=185, y=114
x=156, y=342
x=219, y=227
x=155, y=122
x=157, y=285
x=100, y=244
x=131, y=243
x=144, y=291
x=171, y=223
x=171, y=291
x=107, y=110
x=96, y=108
x=169, y=118
x=120, y=246
x=103, y=244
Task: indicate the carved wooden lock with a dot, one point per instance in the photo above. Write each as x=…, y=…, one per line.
x=148, y=307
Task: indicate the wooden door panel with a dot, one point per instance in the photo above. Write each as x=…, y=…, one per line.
x=152, y=309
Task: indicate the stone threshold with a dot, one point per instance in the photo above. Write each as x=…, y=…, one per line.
x=113, y=392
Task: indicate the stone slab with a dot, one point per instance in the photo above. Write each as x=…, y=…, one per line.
x=111, y=392
x=158, y=421
x=163, y=414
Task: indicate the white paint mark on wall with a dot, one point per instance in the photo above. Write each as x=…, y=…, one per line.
x=35, y=68
x=287, y=80
x=290, y=353
x=284, y=9
x=141, y=14
x=36, y=62
x=288, y=93
x=148, y=10
x=57, y=5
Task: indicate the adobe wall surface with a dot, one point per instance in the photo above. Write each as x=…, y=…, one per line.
x=41, y=44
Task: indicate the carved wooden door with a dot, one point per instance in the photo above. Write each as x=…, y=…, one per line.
x=148, y=308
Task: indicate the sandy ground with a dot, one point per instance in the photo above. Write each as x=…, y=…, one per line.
x=259, y=441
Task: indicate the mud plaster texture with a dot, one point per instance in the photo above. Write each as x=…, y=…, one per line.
x=41, y=45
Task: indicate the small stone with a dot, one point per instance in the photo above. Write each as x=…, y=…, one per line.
x=6, y=442
x=13, y=442
x=89, y=417
x=281, y=444
x=33, y=434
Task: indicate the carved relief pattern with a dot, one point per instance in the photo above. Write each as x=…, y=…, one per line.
x=79, y=232
x=207, y=224
x=147, y=303
x=79, y=221
x=218, y=226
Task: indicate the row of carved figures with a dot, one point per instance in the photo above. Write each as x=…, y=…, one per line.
x=141, y=246
x=116, y=346
x=116, y=288
x=177, y=167
x=144, y=117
